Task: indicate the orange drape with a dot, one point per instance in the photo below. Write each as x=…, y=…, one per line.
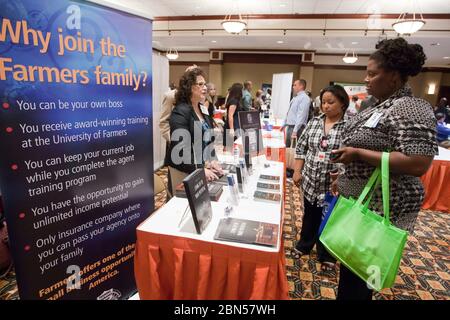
x=169, y=267
x=436, y=183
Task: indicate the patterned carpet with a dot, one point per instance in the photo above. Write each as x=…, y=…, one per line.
x=424, y=271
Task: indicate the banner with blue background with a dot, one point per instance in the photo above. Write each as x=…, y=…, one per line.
x=76, y=172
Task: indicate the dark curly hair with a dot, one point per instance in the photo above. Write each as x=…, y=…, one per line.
x=398, y=55
x=189, y=79
x=339, y=92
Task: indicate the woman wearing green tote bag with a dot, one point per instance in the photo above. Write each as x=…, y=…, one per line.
x=399, y=123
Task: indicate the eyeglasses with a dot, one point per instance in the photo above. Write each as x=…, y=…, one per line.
x=201, y=84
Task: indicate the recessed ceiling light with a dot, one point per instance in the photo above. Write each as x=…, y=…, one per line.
x=446, y=57
x=280, y=41
x=213, y=41
x=436, y=44
x=282, y=5
x=355, y=42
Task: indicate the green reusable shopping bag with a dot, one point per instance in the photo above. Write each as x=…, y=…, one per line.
x=365, y=242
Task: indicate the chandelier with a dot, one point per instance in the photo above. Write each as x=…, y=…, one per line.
x=233, y=26
x=403, y=25
x=350, y=59
x=172, y=54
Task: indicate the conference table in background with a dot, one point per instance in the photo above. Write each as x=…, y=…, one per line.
x=436, y=183
x=274, y=145
x=174, y=262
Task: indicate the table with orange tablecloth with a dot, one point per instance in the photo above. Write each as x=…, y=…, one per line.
x=173, y=262
x=436, y=183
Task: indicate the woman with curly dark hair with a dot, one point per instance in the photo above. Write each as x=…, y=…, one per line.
x=188, y=121
x=400, y=124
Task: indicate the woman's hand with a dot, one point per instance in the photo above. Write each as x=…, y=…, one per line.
x=334, y=188
x=216, y=168
x=210, y=175
x=345, y=155
x=297, y=178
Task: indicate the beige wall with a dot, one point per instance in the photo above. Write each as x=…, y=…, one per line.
x=225, y=75
x=176, y=71
x=323, y=77
x=445, y=81
x=419, y=85
x=255, y=72
x=215, y=76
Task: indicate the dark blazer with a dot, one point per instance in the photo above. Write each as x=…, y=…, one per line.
x=184, y=117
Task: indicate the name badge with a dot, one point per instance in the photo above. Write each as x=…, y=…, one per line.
x=204, y=109
x=321, y=156
x=373, y=120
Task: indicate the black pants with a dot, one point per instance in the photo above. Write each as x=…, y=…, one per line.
x=166, y=164
x=312, y=218
x=351, y=287
x=289, y=130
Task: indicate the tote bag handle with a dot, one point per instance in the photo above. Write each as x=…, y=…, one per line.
x=385, y=186
x=369, y=186
x=373, y=183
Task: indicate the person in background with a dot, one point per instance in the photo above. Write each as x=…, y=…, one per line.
x=313, y=167
x=443, y=108
x=247, y=96
x=297, y=115
x=311, y=106
x=268, y=97
x=352, y=108
x=443, y=132
x=211, y=98
x=168, y=103
x=400, y=124
x=367, y=103
x=189, y=116
x=317, y=105
x=258, y=100
x=233, y=106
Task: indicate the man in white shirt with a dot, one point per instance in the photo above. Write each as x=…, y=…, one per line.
x=297, y=115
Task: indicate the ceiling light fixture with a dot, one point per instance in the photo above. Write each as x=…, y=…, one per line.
x=233, y=26
x=446, y=58
x=407, y=26
x=350, y=59
x=172, y=54
x=213, y=41
x=280, y=41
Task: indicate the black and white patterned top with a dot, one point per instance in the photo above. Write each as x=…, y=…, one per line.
x=407, y=125
x=316, y=172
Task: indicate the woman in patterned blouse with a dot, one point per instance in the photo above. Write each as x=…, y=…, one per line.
x=313, y=167
x=400, y=124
